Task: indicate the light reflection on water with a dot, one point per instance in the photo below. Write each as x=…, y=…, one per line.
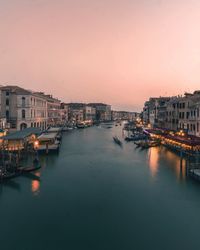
x=159, y=156
x=35, y=185
x=153, y=160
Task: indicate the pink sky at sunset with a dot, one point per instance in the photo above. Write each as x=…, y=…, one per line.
x=118, y=52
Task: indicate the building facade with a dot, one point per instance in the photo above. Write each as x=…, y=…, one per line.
x=175, y=113
x=90, y=113
x=22, y=108
x=103, y=111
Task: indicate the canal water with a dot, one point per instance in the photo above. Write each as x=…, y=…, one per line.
x=96, y=195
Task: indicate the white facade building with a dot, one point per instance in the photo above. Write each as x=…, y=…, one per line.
x=22, y=108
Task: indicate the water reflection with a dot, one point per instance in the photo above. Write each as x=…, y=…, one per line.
x=160, y=157
x=153, y=160
x=35, y=185
x=177, y=164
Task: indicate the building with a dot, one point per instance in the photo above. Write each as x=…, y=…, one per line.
x=76, y=112
x=90, y=113
x=172, y=114
x=103, y=111
x=23, y=108
x=64, y=113
x=145, y=113
x=125, y=115
x=175, y=113
x=54, y=111
x=154, y=111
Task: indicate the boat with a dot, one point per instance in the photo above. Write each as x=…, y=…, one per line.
x=80, y=125
x=135, y=137
x=8, y=175
x=64, y=129
x=29, y=169
x=117, y=140
x=195, y=174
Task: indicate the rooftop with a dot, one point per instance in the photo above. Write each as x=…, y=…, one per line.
x=19, y=135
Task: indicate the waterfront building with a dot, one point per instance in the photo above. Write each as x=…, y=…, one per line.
x=20, y=140
x=75, y=112
x=150, y=111
x=64, y=113
x=172, y=114
x=145, y=113
x=103, y=111
x=175, y=113
x=54, y=111
x=161, y=108
x=125, y=115
x=154, y=111
x=23, y=108
x=90, y=113
x=189, y=117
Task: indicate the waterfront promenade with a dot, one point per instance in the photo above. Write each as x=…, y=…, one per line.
x=95, y=195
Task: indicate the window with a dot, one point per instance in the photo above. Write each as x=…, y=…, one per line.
x=23, y=114
x=23, y=101
x=7, y=102
x=7, y=114
x=7, y=93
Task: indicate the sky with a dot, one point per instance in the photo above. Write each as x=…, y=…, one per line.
x=119, y=52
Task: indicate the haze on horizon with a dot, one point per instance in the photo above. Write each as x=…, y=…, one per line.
x=115, y=51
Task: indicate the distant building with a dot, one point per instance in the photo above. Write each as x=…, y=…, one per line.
x=76, y=111
x=103, y=111
x=125, y=115
x=64, y=113
x=90, y=113
x=154, y=111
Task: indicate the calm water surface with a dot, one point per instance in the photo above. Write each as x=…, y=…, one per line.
x=96, y=195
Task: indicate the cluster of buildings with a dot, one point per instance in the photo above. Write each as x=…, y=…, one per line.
x=125, y=115
x=21, y=108
x=174, y=113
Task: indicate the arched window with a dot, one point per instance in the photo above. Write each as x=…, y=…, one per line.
x=23, y=114
x=23, y=126
x=23, y=101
